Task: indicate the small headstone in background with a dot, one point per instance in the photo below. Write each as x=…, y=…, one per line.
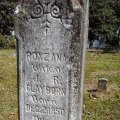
x=95, y=44
x=102, y=41
x=102, y=84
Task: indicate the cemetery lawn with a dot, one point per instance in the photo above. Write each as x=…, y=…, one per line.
x=102, y=105
x=8, y=89
x=97, y=105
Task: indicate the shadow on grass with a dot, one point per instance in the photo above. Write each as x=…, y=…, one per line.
x=105, y=50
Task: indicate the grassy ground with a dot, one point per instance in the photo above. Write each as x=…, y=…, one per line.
x=105, y=106
x=8, y=91
x=102, y=105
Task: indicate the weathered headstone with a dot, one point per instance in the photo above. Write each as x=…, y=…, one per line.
x=102, y=41
x=95, y=44
x=102, y=84
x=51, y=53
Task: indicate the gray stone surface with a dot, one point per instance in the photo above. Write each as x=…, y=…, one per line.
x=50, y=45
x=102, y=84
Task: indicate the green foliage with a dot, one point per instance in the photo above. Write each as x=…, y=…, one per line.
x=11, y=42
x=102, y=19
x=7, y=16
x=115, y=4
x=104, y=15
x=1, y=40
x=7, y=41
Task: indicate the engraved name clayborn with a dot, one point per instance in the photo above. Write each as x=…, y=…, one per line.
x=48, y=61
x=45, y=87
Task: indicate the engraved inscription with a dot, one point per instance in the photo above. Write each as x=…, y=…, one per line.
x=35, y=117
x=45, y=110
x=38, y=99
x=35, y=88
x=57, y=81
x=56, y=91
x=47, y=90
x=44, y=98
x=50, y=44
x=37, y=67
x=46, y=57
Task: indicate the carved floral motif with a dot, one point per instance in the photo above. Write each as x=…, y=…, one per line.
x=43, y=8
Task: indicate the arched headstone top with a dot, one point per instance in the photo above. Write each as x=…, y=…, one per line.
x=51, y=42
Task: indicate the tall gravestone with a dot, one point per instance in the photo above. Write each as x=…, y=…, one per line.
x=50, y=45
